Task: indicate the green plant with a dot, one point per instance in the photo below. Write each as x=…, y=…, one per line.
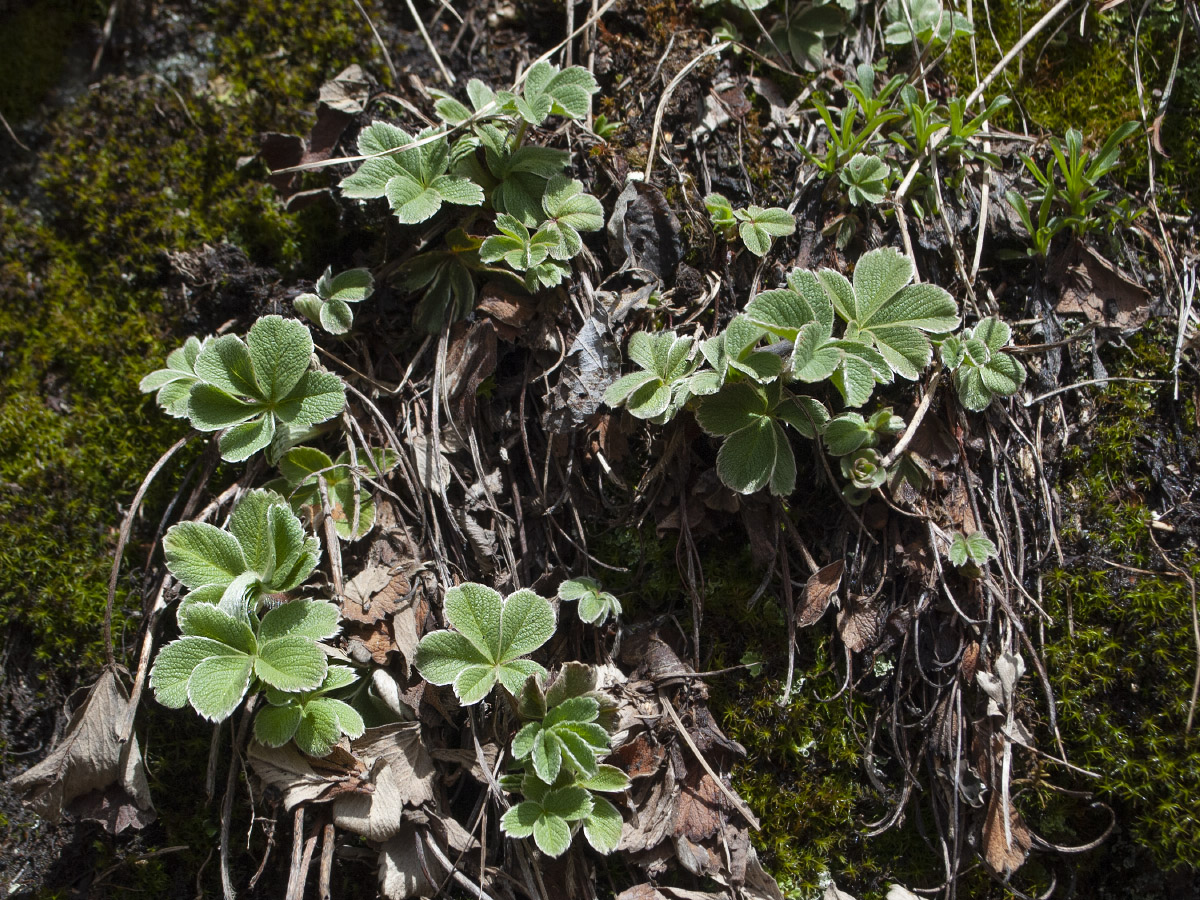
x=251, y=391
x=415, y=181
x=866, y=179
x=927, y=20
x=1078, y=196
x=329, y=307
x=844, y=141
x=560, y=750
x=550, y=91
x=264, y=553
x=222, y=655
x=981, y=369
x=975, y=548
x=735, y=352
x=595, y=604
x=174, y=383
x=492, y=636
x=661, y=388
x=445, y=279
x=808, y=27
x=887, y=322
x=756, y=452
x=308, y=472
x=603, y=128
x=313, y=719
x=757, y=226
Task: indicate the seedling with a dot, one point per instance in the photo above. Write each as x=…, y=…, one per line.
x=595, y=604
x=414, y=181
x=929, y=22
x=866, y=179
x=329, y=307
x=982, y=370
x=975, y=549
x=305, y=468
x=492, y=636
x=659, y=390
x=756, y=225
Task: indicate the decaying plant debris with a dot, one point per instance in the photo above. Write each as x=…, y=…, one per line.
x=485, y=445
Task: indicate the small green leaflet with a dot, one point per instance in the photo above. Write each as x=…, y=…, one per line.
x=976, y=548
x=654, y=392
x=569, y=211
x=413, y=180
x=567, y=736
x=214, y=663
x=351, y=506
x=982, y=370
x=492, y=636
x=264, y=551
x=595, y=604
x=329, y=306
x=251, y=389
x=929, y=21
x=545, y=814
x=548, y=91
x=174, y=383
x=720, y=210
x=865, y=178
x=758, y=227
x=315, y=720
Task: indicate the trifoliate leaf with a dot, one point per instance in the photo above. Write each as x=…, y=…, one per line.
x=759, y=226
x=207, y=621
x=846, y=433
x=518, y=822
x=492, y=636
x=319, y=729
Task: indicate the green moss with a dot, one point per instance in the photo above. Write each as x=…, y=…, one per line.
x=134, y=170
x=1122, y=714
x=1069, y=81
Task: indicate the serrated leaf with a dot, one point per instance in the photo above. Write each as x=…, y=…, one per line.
x=312, y=619
x=411, y=201
x=523, y=740
x=552, y=835
x=218, y=684
x=735, y=407
x=279, y=350
x=518, y=822
x=207, y=621
x=442, y=655
x=746, y=460
x=476, y=611
x=291, y=663
x=174, y=666
x=319, y=728
x=546, y=756
x=845, y=433
x=274, y=726
x=241, y=442
x=608, y=778
x=336, y=316
x=526, y=623
x=317, y=397
x=210, y=409
x=198, y=554
x=603, y=825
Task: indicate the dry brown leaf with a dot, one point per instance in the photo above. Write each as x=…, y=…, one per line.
x=859, y=625
x=401, y=774
x=376, y=640
x=639, y=758
x=92, y=772
x=1004, y=858
x=293, y=773
x=1094, y=287
x=818, y=593
x=470, y=358
x=360, y=604
x=698, y=813
x=401, y=875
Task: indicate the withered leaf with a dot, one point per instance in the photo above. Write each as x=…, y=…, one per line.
x=92, y=758
x=470, y=358
x=818, y=593
x=859, y=625
x=1094, y=287
x=1003, y=857
x=698, y=814
x=400, y=872
x=639, y=758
